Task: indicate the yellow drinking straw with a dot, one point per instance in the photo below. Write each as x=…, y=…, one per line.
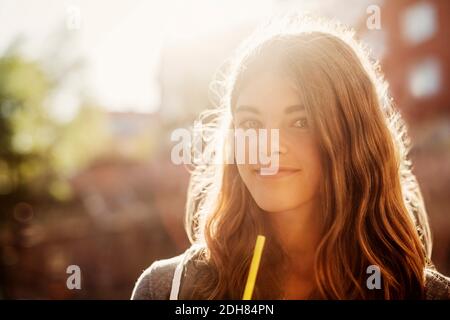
x=253, y=272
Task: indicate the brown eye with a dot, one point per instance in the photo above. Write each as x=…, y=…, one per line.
x=301, y=123
x=250, y=124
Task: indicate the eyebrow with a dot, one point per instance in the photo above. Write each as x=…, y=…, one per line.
x=245, y=108
x=294, y=108
x=287, y=110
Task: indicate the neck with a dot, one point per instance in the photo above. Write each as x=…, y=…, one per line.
x=298, y=232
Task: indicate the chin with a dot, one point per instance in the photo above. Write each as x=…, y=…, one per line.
x=271, y=204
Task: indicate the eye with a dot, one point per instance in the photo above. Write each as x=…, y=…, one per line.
x=250, y=124
x=301, y=123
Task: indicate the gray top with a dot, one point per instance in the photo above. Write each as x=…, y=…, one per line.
x=155, y=283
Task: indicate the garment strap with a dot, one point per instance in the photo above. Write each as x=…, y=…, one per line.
x=176, y=281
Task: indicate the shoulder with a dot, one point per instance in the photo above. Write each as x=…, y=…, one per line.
x=155, y=282
x=437, y=286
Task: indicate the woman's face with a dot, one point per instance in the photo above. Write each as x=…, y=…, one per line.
x=269, y=102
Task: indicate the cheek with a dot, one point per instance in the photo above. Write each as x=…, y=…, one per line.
x=310, y=159
x=246, y=174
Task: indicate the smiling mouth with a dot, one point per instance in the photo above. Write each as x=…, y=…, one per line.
x=282, y=172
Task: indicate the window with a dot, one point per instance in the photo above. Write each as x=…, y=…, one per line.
x=419, y=23
x=425, y=78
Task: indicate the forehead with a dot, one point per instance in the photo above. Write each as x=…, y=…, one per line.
x=269, y=92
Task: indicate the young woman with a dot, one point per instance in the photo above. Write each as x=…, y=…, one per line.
x=344, y=198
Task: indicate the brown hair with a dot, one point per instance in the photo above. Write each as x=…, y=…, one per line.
x=373, y=213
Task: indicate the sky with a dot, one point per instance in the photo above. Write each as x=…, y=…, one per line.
x=120, y=41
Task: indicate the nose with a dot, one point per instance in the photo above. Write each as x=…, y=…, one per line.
x=276, y=144
x=282, y=147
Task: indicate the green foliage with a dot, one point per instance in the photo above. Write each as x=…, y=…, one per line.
x=37, y=153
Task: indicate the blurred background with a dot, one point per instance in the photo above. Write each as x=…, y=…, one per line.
x=91, y=90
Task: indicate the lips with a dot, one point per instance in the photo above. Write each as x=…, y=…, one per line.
x=283, y=171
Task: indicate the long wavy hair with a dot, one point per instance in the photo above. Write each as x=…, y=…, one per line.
x=373, y=212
